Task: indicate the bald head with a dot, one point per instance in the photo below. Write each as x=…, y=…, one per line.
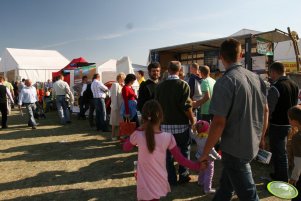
x=28, y=82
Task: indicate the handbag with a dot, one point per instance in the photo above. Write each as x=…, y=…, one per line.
x=126, y=127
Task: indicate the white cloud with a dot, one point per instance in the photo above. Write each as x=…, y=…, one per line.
x=158, y=26
x=58, y=44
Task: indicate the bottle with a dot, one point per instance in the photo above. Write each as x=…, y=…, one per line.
x=135, y=170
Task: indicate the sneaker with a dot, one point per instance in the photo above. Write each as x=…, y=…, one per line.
x=211, y=191
x=114, y=138
x=34, y=127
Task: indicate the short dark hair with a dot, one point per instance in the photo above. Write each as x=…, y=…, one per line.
x=174, y=66
x=229, y=50
x=84, y=77
x=153, y=65
x=294, y=113
x=23, y=80
x=277, y=67
x=141, y=72
x=95, y=76
x=129, y=78
x=205, y=70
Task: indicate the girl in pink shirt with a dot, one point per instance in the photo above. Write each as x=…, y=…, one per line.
x=152, y=182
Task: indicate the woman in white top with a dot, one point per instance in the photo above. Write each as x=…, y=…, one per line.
x=116, y=101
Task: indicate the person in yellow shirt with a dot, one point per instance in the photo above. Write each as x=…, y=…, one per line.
x=140, y=76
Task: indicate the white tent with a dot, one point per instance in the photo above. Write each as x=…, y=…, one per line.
x=36, y=65
x=109, y=70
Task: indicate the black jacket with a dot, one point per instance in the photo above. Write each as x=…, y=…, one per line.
x=146, y=92
x=287, y=93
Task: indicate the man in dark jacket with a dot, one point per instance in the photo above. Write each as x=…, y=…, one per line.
x=147, y=88
x=282, y=95
x=194, y=83
x=4, y=93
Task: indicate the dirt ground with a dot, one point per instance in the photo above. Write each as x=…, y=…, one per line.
x=75, y=162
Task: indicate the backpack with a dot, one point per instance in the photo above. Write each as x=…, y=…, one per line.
x=87, y=95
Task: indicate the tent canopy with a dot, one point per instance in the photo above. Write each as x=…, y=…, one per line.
x=77, y=62
x=36, y=65
x=31, y=59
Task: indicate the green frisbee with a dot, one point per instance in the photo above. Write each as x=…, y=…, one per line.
x=282, y=190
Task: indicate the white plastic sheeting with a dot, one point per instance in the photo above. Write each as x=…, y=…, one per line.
x=36, y=65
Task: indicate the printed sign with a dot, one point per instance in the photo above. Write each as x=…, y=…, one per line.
x=290, y=66
x=264, y=47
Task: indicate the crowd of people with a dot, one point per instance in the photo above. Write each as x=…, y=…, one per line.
x=228, y=118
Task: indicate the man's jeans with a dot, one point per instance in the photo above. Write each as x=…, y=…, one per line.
x=100, y=114
x=183, y=142
x=278, y=140
x=3, y=109
x=236, y=176
x=91, y=112
x=31, y=107
x=62, y=109
x=83, y=107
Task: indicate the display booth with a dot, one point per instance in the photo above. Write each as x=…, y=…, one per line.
x=258, y=51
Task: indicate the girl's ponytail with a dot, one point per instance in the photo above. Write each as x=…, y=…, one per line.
x=150, y=136
x=152, y=115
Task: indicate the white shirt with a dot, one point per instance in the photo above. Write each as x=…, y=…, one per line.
x=83, y=89
x=61, y=88
x=28, y=95
x=98, y=89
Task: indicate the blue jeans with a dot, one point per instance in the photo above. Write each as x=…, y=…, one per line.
x=236, y=176
x=62, y=109
x=30, y=111
x=278, y=140
x=183, y=142
x=100, y=114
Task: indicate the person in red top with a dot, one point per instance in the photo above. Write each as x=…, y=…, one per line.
x=129, y=106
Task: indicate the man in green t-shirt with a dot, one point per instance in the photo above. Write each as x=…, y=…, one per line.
x=207, y=90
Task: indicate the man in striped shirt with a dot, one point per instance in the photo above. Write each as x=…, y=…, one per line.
x=99, y=94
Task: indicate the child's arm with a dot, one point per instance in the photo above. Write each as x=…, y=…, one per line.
x=184, y=161
x=128, y=146
x=296, y=171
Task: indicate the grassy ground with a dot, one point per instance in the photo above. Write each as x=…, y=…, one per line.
x=74, y=162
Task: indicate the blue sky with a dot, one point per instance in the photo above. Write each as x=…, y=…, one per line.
x=100, y=30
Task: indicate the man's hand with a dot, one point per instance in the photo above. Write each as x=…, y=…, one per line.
x=204, y=161
x=262, y=143
x=127, y=117
x=194, y=104
x=293, y=182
